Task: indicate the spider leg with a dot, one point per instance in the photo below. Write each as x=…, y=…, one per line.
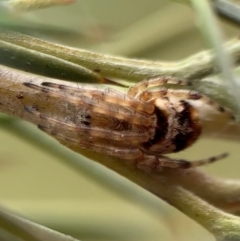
x=156, y=163
x=99, y=106
x=108, y=95
x=137, y=89
x=126, y=153
x=79, y=89
x=85, y=90
x=89, y=132
x=188, y=164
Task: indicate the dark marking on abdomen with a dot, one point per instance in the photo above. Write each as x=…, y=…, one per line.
x=160, y=130
x=189, y=129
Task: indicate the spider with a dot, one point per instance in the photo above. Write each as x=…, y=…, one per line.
x=139, y=127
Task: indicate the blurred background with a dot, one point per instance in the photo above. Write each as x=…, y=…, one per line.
x=93, y=203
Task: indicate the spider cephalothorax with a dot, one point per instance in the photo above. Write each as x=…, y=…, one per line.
x=138, y=127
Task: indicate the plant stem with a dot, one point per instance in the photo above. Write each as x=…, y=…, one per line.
x=192, y=68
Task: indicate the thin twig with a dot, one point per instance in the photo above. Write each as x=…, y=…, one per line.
x=221, y=193
x=28, y=230
x=212, y=32
x=19, y=6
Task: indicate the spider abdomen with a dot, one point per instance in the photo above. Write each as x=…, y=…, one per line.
x=178, y=126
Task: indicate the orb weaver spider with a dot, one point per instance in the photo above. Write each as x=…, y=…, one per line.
x=138, y=127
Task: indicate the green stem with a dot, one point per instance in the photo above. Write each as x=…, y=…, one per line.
x=46, y=65
x=191, y=68
x=28, y=230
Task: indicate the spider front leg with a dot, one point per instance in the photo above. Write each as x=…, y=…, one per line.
x=85, y=131
x=70, y=138
x=88, y=95
x=107, y=95
x=136, y=90
x=98, y=103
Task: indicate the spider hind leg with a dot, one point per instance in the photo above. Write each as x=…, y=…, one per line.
x=184, y=164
